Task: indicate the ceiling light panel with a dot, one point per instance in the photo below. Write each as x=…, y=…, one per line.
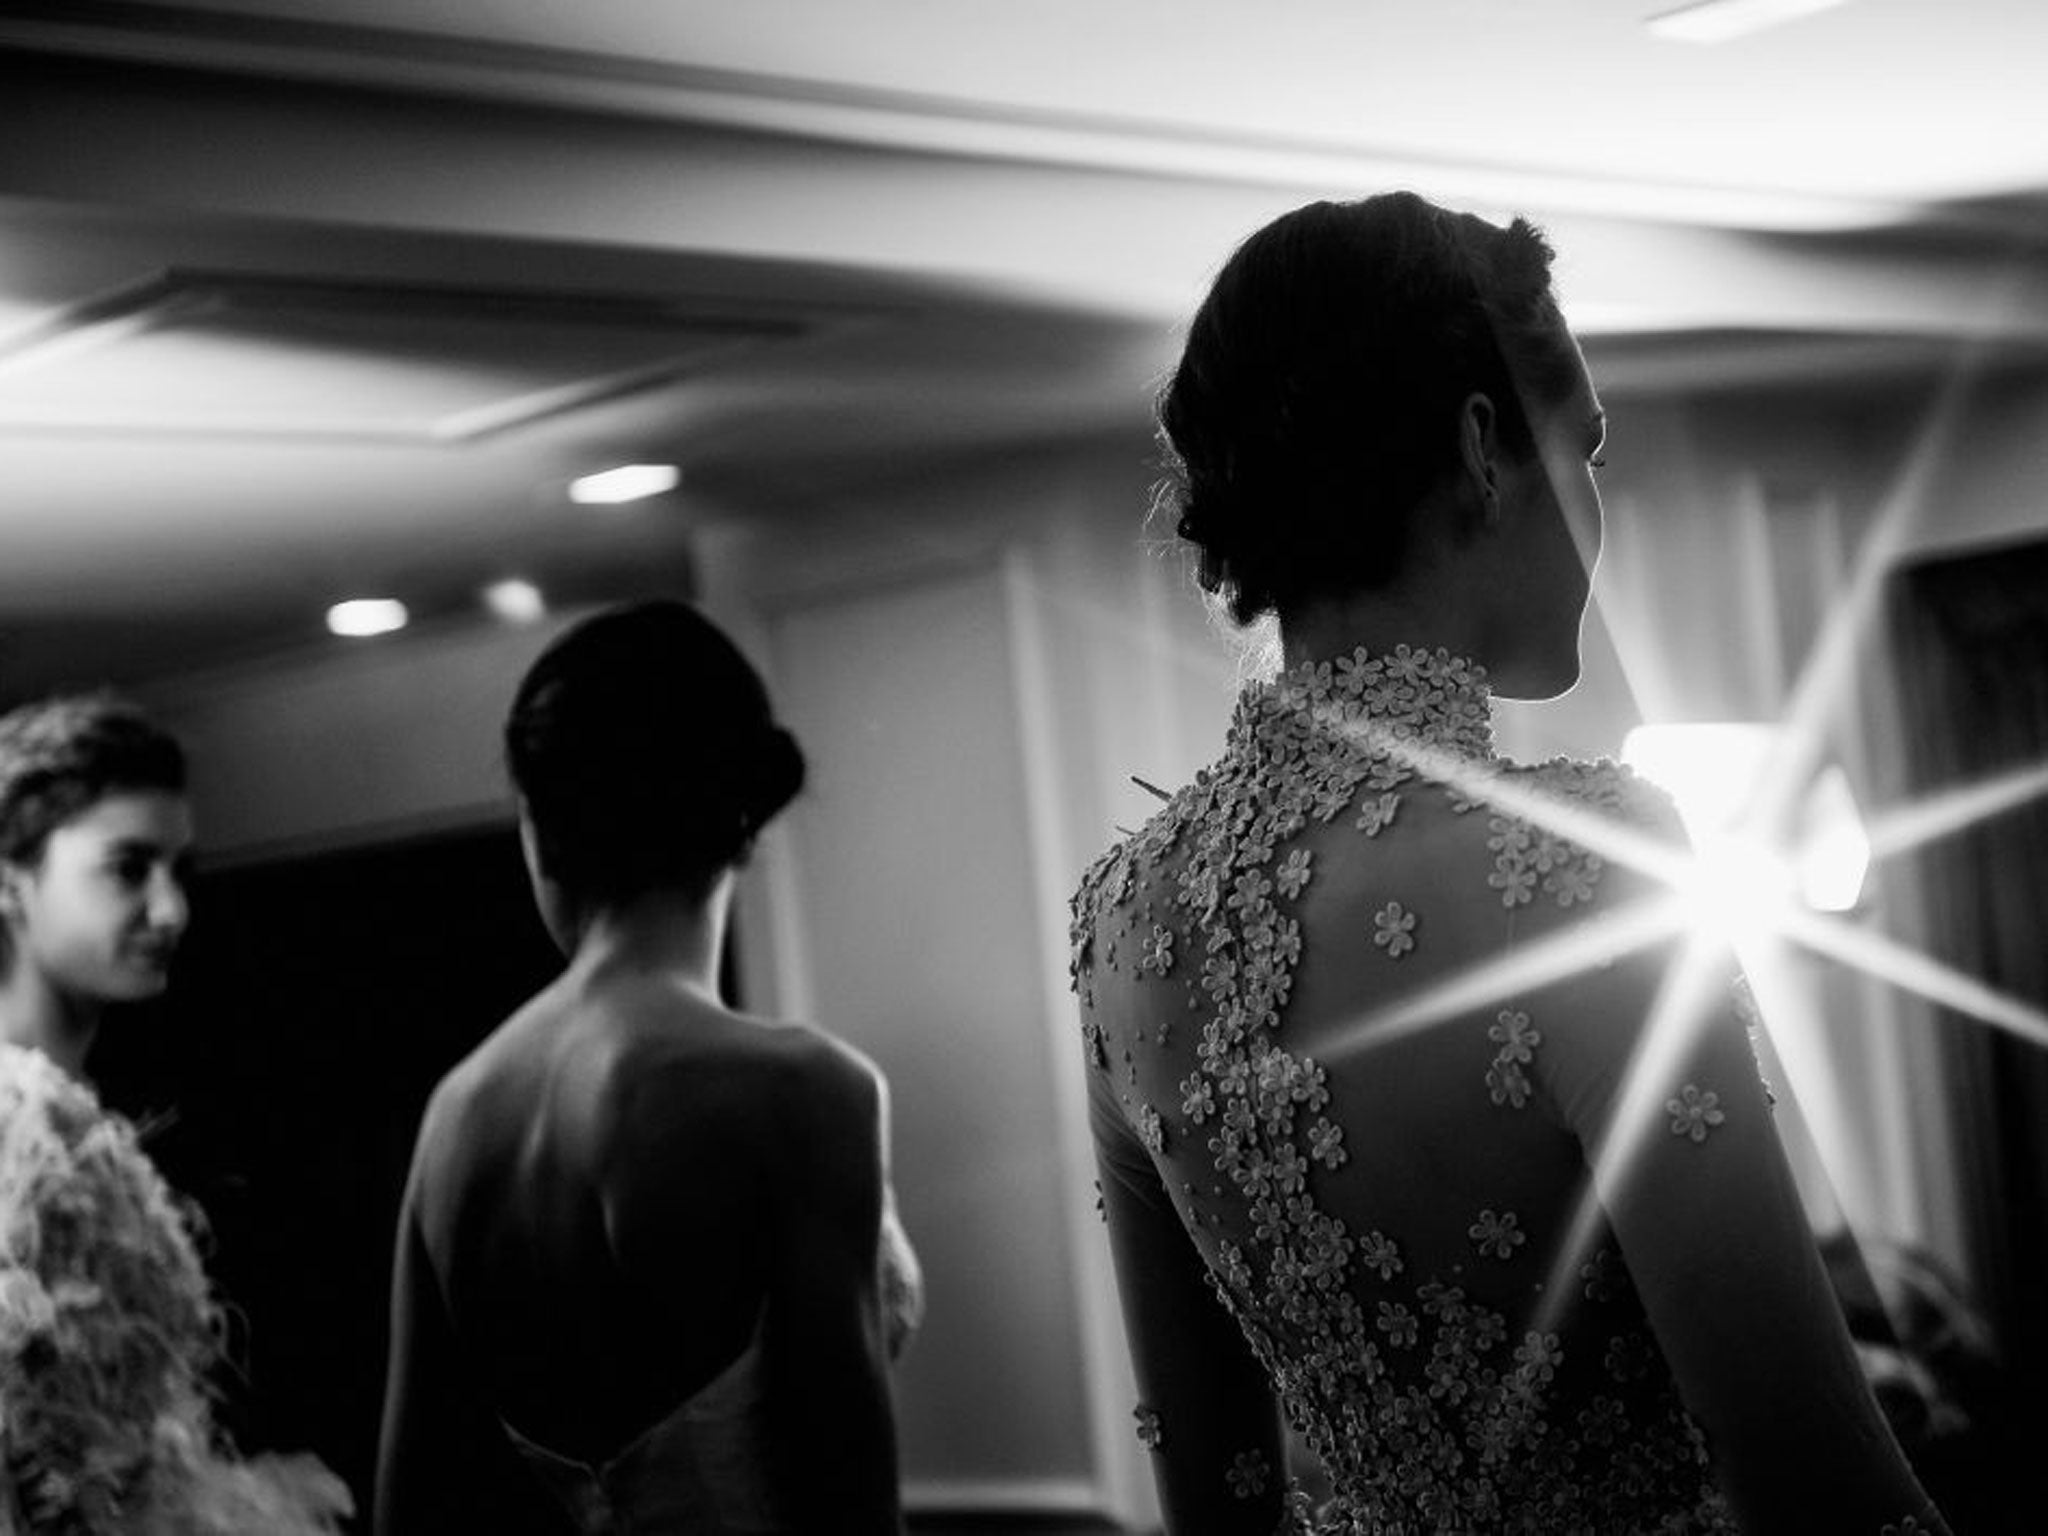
x=199, y=353
x=1719, y=21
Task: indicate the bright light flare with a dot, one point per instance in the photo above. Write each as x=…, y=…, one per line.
x=361, y=617
x=1715, y=774
x=1737, y=890
x=628, y=482
x=1937, y=816
x=1514, y=973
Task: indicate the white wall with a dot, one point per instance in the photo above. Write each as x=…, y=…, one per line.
x=976, y=672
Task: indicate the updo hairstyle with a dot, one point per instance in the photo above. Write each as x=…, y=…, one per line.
x=1315, y=403
x=647, y=753
x=60, y=755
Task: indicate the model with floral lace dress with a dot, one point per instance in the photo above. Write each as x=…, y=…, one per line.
x=1404, y=1134
x=108, y=1325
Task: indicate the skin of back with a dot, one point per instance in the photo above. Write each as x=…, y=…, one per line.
x=607, y=1192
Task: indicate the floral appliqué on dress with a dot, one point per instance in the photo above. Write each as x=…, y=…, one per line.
x=1424, y=1408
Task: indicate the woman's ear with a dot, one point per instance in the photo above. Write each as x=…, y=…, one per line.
x=1479, y=455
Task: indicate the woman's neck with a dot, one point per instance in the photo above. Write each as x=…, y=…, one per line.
x=1415, y=613
x=678, y=933
x=36, y=1014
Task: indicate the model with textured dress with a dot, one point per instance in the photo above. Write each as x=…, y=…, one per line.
x=109, y=1327
x=1407, y=1129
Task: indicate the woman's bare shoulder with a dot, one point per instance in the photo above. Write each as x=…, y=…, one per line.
x=728, y=1073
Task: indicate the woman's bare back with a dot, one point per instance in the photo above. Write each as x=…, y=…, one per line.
x=596, y=1178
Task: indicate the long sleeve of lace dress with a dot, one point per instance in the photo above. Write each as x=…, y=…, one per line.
x=1205, y=1411
x=1648, y=1062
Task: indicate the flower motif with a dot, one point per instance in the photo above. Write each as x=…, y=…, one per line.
x=1151, y=1130
x=1092, y=1043
x=1442, y=1301
x=1694, y=1113
x=1329, y=1249
x=1506, y=1083
x=1219, y=976
x=1515, y=881
x=1408, y=666
x=1511, y=839
x=1379, y=1254
x=1602, y=1275
x=1377, y=814
x=1330, y=798
x=1517, y=1041
x=1292, y=875
x=1158, y=955
x=1398, y=1324
x=1269, y=1217
x=1395, y=930
x=1537, y=1356
x=1249, y=890
x=1326, y=1144
x=1356, y=671
x=1236, y=1270
x=1247, y=1475
x=1150, y=1434
x=1628, y=1357
x=1198, y=1099
x=1600, y=1422
x=1497, y=1234
x=1487, y=1329
x=1576, y=881
x=1290, y=1170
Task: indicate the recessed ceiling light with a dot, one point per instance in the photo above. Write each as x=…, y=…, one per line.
x=1716, y=21
x=515, y=601
x=629, y=482
x=363, y=616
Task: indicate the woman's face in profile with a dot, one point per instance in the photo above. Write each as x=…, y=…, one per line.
x=1555, y=531
x=102, y=911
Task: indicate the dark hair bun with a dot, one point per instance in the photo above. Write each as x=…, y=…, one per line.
x=645, y=748
x=1315, y=402
x=778, y=774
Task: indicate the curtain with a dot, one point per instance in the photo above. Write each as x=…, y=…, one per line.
x=1969, y=649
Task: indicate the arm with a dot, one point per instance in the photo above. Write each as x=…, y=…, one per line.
x=827, y=1356
x=1193, y=1366
x=1711, y=1226
x=442, y=1464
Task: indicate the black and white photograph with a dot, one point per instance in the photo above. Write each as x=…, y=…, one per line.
x=1085, y=768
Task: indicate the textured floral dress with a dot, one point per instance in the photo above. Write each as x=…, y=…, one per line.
x=1376, y=1062
x=108, y=1328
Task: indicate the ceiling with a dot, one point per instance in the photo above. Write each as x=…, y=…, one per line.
x=308, y=299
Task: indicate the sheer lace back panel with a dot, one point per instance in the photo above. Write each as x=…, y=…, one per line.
x=1365, y=1159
